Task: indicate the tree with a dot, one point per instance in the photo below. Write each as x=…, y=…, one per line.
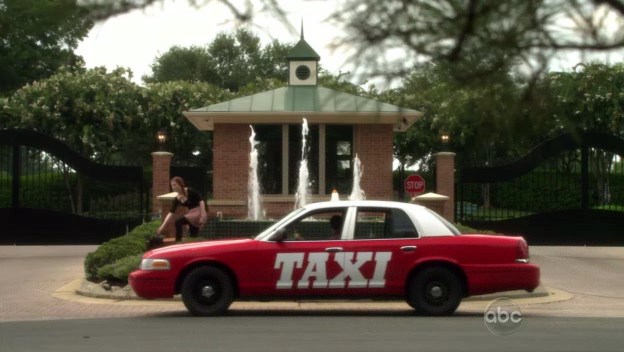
x=484, y=119
x=493, y=34
x=231, y=61
x=527, y=32
x=94, y=112
x=183, y=64
x=590, y=98
x=36, y=38
x=104, y=9
x=165, y=103
x=90, y=110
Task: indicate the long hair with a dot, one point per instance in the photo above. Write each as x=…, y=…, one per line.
x=180, y=182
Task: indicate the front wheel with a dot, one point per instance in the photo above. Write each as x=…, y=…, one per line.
x=435, y=291
x=207, y=291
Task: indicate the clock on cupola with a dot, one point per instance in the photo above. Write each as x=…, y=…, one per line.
x=302, y=64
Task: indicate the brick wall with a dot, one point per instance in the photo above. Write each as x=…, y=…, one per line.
x=231, y=161
x=231, y=164
x=373, y=145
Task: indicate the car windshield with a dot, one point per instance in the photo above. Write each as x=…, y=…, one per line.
x=264, y=234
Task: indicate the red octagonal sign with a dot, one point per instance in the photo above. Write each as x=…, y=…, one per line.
x=414, y=185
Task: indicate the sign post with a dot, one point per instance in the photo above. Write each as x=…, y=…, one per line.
x=414, y=185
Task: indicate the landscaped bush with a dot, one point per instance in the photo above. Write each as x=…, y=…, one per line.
x=119, y=270
x=129, y=245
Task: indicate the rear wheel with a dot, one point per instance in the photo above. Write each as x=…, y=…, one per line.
x=435, y=291
x=207, y=291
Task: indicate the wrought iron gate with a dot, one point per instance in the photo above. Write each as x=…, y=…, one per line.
x=49, y=194
x=568, y=190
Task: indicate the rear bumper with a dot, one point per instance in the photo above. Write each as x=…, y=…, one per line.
x=151, y=284
x=484, y=279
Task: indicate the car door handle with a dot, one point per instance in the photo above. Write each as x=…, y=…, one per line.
x=408, y=248
x=333, y=249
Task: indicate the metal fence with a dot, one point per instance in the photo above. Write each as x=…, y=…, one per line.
x=51, y=194
x=571, y=185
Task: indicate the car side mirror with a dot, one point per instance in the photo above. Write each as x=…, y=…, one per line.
x=279, y=235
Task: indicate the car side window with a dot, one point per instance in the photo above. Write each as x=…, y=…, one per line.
x=383, y=223
x=402, y=225
x=322, y=225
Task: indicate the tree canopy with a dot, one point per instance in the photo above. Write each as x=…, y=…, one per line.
x=106, y=117
x=36, y=38
x=491, y=32
x=230, y=61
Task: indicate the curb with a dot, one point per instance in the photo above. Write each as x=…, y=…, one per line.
x=81, y=289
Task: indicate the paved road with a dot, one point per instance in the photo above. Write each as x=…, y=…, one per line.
x=30, y=274
x=335, y=333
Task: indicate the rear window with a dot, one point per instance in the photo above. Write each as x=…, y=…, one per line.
x=379, y=223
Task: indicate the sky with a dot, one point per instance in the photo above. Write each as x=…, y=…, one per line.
x=135, y=39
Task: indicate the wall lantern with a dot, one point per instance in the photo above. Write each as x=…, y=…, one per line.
x=444, y=137
x=161, y=137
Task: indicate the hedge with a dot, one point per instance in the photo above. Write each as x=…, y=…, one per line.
x=542, y=191
x=129, y=245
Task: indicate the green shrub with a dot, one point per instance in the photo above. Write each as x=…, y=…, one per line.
x=468, y=229
x=119, y=270
x=109, y=252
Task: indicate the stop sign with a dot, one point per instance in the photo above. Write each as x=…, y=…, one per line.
x=414, y=185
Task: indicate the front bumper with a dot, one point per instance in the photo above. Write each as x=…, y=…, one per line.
x=152, y=284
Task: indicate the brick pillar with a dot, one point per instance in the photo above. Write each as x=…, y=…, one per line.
x=373, y=145
x=445, y=181
x=161, y=162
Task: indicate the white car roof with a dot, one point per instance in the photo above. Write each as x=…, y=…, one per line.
x=361, y=203
x=428, y=223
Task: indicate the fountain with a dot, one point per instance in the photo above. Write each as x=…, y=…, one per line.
x=254, y=205
x=357, y=193
x=301, y=197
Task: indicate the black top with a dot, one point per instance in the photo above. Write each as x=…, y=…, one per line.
x=192, y=200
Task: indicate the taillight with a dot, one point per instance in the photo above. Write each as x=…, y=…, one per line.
x=522, y=252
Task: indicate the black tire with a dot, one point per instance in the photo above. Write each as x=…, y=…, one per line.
x=435, y=291
x=207, y=291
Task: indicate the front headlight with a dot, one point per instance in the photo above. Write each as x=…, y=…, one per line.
x=155, y=264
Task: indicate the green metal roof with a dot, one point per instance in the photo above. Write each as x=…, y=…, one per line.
x=289, y=104
x=303, y=51
x=303, y=99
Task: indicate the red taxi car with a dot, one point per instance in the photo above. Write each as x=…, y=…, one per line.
x=341, y=249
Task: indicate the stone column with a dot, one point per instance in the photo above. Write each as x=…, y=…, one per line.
x=161, y=163
x=445, y=181
x=433, y=201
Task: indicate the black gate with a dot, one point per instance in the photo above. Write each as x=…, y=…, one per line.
x=568, y=190
x=49, y=194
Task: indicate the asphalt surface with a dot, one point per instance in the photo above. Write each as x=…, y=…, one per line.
x=40, y=282
x=319, y=332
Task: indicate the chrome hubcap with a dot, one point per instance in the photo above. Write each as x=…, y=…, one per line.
x=207, y=291
x=435, y=292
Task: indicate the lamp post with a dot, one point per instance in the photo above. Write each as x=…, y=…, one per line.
x=445, y=139
x=161, y=137
x=161, y=173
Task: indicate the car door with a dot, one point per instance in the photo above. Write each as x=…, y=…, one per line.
x=382, y=250
x=305, y=262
